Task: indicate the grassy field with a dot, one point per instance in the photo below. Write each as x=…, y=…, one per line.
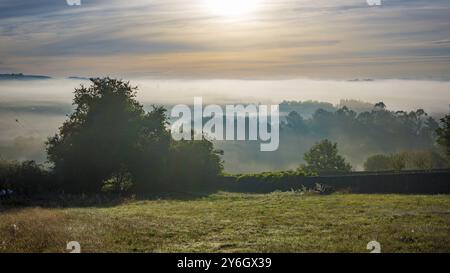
x=230, y=222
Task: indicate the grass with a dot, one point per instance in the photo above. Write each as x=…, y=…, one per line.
x=231, y=222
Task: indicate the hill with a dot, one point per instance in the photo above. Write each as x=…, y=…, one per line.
x=22, y=77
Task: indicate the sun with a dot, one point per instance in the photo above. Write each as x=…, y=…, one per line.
x=232, y=8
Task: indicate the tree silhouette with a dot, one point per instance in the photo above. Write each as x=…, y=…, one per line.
x=109, y=131
x=323, y=158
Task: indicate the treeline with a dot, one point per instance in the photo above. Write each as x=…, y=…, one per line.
x=413, y=160
x=308, y=108
x=360, y=135
x=380, y=128
x=379, y=131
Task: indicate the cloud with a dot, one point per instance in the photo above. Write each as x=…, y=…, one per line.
x=96, y=46
x=22, y=8
x=181, y=38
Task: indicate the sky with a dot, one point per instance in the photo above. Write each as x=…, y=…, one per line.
x=244, y=39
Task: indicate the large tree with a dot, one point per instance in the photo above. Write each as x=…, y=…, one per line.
x=109, y=131
x=323, y=157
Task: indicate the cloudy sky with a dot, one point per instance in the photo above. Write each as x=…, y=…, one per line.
x=238, y=39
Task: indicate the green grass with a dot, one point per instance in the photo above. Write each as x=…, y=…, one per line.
x=229, y=222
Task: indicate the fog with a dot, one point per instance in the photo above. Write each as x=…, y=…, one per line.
x=433, y=96
x=30, y=111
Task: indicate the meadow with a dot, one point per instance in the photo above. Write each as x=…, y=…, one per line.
x=235, y=222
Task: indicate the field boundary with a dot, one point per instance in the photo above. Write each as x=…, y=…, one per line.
x=408, y=182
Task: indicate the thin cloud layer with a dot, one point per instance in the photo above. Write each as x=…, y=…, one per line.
x=178, y=38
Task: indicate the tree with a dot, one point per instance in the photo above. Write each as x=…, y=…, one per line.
x=378, y=163
x=111, y=143
x=194, y=165
x=323, y=157
x=443, y=133
x=295, y=123
x=380, y=106
x=425, y=160
x=399, y=161
x=109, y=131
x=410, y=160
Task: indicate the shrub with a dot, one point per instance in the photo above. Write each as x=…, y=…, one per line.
x=412, y=160
x=272, y=176
x=26, y=178
x=193, y=166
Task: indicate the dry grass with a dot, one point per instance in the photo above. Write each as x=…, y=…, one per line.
x=229, y=222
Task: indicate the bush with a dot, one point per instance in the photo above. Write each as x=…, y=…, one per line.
x=26, y=178
x=272, y=176
x=193, y=166
x=413, y=160
x=120, y=182
x=378, y=163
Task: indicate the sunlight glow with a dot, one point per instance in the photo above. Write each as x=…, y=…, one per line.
x=232, y=8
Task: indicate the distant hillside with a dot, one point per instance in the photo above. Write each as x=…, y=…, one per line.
x=308, y=108
x=78, y=78
x=22, y=77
